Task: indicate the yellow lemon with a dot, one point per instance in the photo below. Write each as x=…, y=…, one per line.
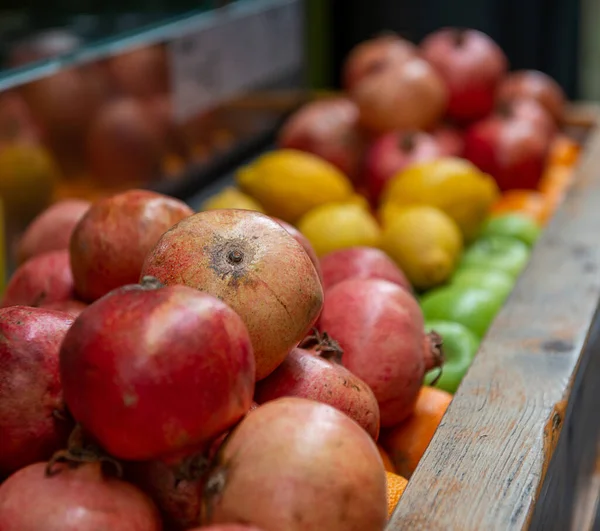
x=289, y=183
x=451, y=184
x=425, y=243
x=28, y=176
x=388, y=212
x=231, y=197
x=338, y=226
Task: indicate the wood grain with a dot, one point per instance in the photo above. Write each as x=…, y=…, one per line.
x=491, y=461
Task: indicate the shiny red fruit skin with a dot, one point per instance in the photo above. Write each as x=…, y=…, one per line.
x=30, y=388
x=471, y=64
x=393, y=152
x=512, y=151
x=154, y=372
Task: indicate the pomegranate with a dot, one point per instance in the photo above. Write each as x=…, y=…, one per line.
x=528, y=110
x=140, y=73
x=110, y=242
x=125, y=144
x=319, y=375
x=160, y=110
x=32, y=420
x=450, y=140
x=379, y=326
x=360, y=262
x=511, y=149
x=44, y=279
x=536, y=85
x=179, y=500
x=68, y=498
x=393, y=152
x=71, y=306
x=302, y=240
x=227, y=527
x=51, y=230
x=251, y=262
x=379, y=53
x=150, y=371
x=16, y=120
x=411, y=96
x=64, y=103
x=329, y=129
x=471, y=65
x=272, y=475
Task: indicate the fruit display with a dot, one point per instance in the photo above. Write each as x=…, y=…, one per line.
x=282, y=358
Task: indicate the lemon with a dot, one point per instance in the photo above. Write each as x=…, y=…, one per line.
x=231, y=197
x=339, y=226
x=289, y=183
x=28, y=176
x=451, y=184
x=388, y=212
x=425, y=243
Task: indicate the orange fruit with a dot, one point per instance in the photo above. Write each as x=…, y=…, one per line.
x=387, y=462
x=406, y=443
x=528, y=202
x=554, y=185
x=395, y=488
x=563, y=151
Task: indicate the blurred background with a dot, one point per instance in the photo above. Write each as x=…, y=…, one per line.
x=169, y=95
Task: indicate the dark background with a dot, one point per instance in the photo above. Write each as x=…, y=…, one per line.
x=540, y=34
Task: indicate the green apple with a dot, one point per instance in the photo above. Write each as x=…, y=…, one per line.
x=460, y=346
x=517, y=226
x=497, y=252
x=489, y=279
x=472, y=307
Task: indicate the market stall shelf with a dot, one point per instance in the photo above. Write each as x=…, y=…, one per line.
x=519, y=441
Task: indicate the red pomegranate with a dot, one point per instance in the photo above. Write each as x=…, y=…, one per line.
x=319, y=375
x=178, y=500
x=140, y=73
x=227, y=527
x=535, y=85
x=393, y=152
x=379, y=326
x=450, y=139
x=511, y=149
x=125, y=144
x=252, y=263
x=329, y=129
x=379, y=53
x=51, y=230
x=80, y=498
x=32, y=418
x=410, y=96
x=302, y=240
x=151, y=371
x=44, y=279
x=71, y=306
x=111, y=241
x=271, y=474
x=528, y=110
x=360, y=262
x=471, y=65
x=17, y=124
x=64, y=103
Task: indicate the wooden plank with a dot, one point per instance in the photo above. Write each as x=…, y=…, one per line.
x=488, y=463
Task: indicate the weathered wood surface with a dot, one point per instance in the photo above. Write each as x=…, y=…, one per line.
x=519, y=439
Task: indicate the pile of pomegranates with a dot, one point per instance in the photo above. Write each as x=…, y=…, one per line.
x=452, y=95
x=166, y=370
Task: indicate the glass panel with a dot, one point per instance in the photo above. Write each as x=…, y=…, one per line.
x=154, y=109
